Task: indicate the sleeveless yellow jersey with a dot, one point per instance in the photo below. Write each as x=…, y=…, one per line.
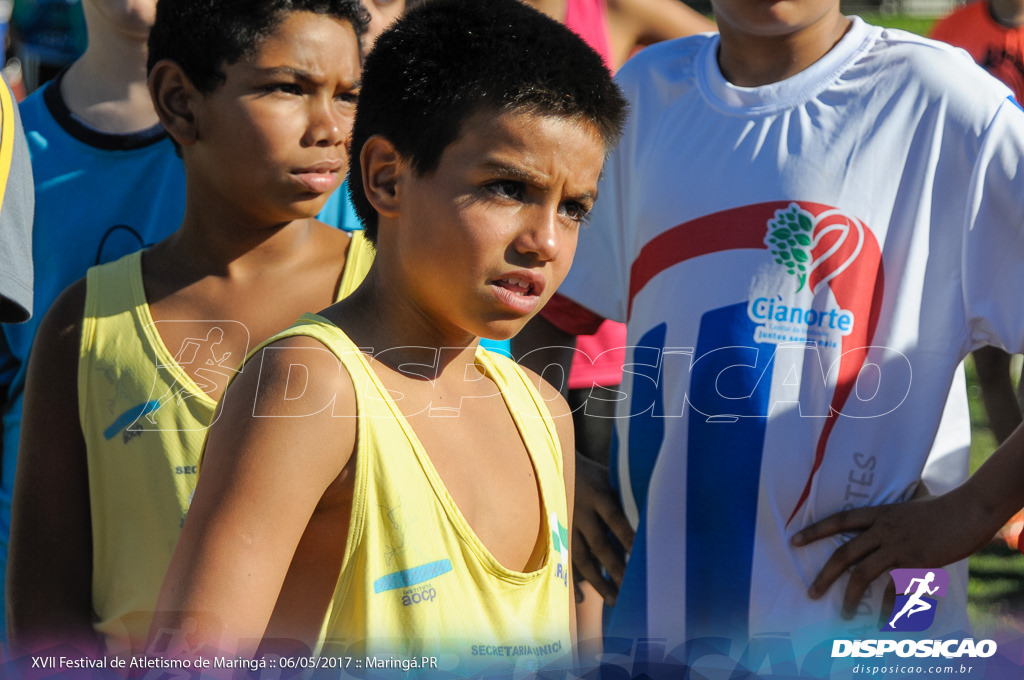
x=415, y=580
x=144, y=421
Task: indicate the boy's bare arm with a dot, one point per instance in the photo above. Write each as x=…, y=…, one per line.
x=270, y=455
x=921, y=533
x=49, y=575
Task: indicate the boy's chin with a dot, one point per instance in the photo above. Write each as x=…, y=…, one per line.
x=505, y=329
x=312, y=206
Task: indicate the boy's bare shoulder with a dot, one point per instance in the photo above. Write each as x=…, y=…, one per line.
x=69, y=305
x=292, y=402
x=53, y=364
x=61, y=328
x=298, y=375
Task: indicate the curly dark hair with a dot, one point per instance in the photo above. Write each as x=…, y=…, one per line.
x=204, y=36
x=445, y=60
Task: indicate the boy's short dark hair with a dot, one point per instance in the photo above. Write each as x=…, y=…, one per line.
x=203, y=36
x=444, y=60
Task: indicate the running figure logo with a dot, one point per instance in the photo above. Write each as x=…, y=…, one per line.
x=914, y=610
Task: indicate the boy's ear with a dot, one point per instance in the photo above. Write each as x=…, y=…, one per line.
x=381, y=166
x=173, y=96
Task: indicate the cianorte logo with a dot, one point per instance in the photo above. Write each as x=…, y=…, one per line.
x=815, y=249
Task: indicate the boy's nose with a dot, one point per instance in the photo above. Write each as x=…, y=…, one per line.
x=328, y=126
x=542, y=236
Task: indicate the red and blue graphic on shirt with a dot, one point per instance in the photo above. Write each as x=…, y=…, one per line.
x=818, y=246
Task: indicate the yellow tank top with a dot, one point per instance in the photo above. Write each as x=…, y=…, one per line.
x=415, y=580
x=144, y=422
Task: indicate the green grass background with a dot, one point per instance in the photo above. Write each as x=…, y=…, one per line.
x=996, y=589
x=919, y=25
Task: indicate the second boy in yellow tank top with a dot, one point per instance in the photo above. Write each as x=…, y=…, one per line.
x=259, y=95
x=414, y=494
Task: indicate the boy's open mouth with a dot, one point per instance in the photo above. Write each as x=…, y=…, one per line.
x=520, y=291
x=516, y=285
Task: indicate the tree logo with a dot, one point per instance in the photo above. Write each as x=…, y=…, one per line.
x=814, y=248
x=790, y=236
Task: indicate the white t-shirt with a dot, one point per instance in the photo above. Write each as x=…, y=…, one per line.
x=833, y=243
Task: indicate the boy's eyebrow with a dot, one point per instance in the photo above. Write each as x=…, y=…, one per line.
x=512, y=171
x=297, y=73
x=525, y=176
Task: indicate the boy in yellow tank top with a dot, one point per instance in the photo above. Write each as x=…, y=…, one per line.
x=381, y=490
x=259, y=97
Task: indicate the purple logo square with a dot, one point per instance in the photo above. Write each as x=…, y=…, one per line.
x=916, y=590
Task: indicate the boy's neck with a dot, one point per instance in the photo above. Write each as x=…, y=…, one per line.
x=371, y=318
x=1007, y=12
x=106, y=87
x=232, y=248
x=754, y=60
